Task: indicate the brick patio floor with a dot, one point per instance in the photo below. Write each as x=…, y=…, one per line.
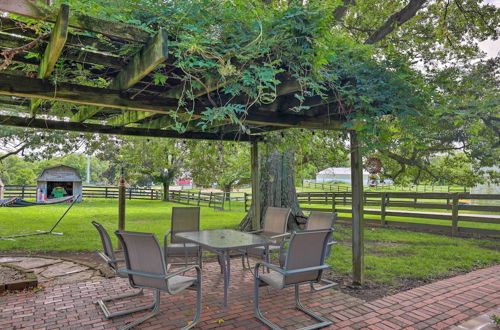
x=438, y=305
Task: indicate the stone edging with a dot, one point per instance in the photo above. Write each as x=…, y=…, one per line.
x=30, y=280
x=104, y=271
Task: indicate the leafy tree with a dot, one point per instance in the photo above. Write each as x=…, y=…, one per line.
x=227, y=164
x=160, y=160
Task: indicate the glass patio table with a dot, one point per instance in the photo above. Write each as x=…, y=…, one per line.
x=222, y=241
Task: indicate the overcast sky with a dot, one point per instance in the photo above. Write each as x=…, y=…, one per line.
x=491, y=47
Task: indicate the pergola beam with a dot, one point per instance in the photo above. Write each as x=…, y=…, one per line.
x=146, y=60
x=130, y=131
x=30, y=8
x=128, y=117
x=106, y=98
x=79, y=94
x=56, y=43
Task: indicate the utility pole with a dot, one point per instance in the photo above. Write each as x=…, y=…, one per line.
x=88, y=169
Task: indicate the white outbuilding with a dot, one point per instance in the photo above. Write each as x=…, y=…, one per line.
x=342, y=174
x=59, y=181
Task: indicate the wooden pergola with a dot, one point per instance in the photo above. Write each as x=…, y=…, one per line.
x=131, y=104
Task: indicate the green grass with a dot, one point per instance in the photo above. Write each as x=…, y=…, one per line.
x=391, y=255
x=79, y=234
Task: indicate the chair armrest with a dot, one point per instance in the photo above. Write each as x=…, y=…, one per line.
x=255, y=231
x=183, y=270
x=166, y=236
x=331, y=243
x=308, y=269
x=268, y=265
x=165, y=240
x=108, y=260
x=280, y=235
x=132, y=272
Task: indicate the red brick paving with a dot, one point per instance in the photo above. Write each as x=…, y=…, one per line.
x=437, y=305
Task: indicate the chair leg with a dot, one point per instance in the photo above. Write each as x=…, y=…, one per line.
x=323, y=321
x=198, y=305
x=154, y=312
x=327, y=284
x=258, y=314
x=109, y=315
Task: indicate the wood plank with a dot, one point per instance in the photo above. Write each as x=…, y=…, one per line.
x=56, y=43
x=358, y=265
x=128, y=117
x=130, y=131
x=255, y=169
x=79, y=94
x=146, y=60
x=158, y=123
x=30, y=8
x=85, y=112
x=107, y=98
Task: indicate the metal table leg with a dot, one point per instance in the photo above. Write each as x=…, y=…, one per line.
x=227, y=273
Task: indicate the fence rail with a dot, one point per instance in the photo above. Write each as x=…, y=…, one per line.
x=336, y=187
x=219, y=201
x=448, y=206
x=88, y=192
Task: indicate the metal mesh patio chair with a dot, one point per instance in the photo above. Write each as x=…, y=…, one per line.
x=109, y=256
x=274, y=228
x=304, y=264
x=146, y=268
x=183, y=219
x=318, y=221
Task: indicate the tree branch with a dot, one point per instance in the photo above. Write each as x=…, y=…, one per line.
x=341, y=10
x=397, y=19
x=12, y=153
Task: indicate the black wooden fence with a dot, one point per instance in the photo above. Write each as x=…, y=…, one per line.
x=88, y=192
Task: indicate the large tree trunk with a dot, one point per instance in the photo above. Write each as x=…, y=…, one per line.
x=277, y=187
x=166, y=188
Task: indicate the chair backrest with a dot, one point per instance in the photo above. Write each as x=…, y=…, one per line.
x=306, y=249
x=106, y=244
x=276, y=220
x=320, y=220
x=184, y=219
x=143, y=254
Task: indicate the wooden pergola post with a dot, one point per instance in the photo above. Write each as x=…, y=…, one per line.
x=121, y=204
x=358, y=267
x=255, y=165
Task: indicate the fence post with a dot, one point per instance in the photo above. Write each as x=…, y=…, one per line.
x=333, y=203
x=382, y=209
x=245, y=197
x=189, y=197
x=210, y=200
x=129, y=193
x=105, y=192
x=309, y=197
x=199, y=197
x=454, y=215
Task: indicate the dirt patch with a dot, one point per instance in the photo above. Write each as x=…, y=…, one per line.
x=9, y=275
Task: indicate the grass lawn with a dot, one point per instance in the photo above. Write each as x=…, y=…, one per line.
x=391, y=256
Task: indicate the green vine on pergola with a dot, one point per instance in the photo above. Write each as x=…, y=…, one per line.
x=228, y=61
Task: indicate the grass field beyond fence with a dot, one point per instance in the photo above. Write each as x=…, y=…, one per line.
x=391, y=256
